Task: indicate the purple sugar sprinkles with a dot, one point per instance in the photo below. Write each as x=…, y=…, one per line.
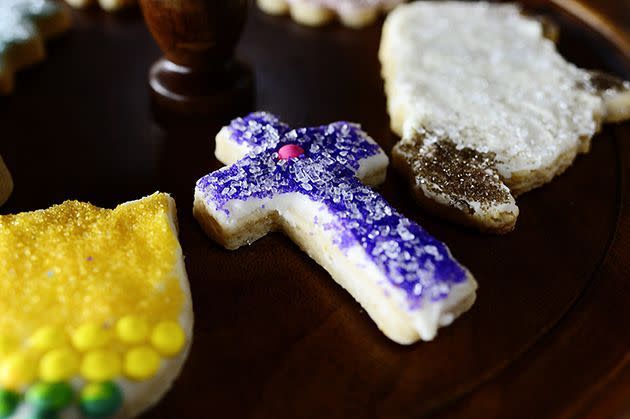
x=326, y=172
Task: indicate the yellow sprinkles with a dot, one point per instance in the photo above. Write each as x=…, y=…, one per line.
x=90, y=336
x=132, y=329
x=168, y=338
x=101, y=365
x=88, y=291
x=47, y=337
x=7, y=346
x=17, y=371
x=142, y=363
x=58, y=365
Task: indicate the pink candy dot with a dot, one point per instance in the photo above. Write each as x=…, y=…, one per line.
x=290, y=151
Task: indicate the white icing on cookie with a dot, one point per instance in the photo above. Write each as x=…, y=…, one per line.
x=484, y=76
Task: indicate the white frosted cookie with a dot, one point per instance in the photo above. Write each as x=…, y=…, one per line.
x=352, y=13
x=109, y=5
x=486, y=107
x=24, y=25
x=6, y=183
x=96, y=318
x=310, y=183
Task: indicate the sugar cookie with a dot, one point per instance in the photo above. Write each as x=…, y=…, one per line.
x=486, y=107
x=109, y=5
x=96, y=317
x=309, y=184
x=352, y=13
x=6, y=183
x=25, y=25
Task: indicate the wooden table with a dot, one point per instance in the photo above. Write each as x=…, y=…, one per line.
x=274, y=335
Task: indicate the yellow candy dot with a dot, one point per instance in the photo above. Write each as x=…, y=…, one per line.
x=8, y=345
x=168, y=338
x=17, y=371
x=142, y=363
x=90, y=336
x=132, y=329
x=100, y=365
x=47, y=337
x=58, y=365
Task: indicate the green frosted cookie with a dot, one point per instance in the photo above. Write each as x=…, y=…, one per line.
x=25, y=25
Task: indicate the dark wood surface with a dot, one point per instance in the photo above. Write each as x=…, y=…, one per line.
x=274, y=335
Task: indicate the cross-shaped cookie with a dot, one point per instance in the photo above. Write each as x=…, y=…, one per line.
x=311, y=184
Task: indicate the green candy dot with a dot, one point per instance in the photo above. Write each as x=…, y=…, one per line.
x=9, y=401
x=49, y=398
x=100, y=400
x=44, y=415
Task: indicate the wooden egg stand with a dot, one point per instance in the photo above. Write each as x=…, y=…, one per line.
x=198, y=73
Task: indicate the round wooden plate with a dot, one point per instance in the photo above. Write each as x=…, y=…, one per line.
x=274, y=335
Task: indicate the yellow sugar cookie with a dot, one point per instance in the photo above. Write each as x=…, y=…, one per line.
x=97, y=315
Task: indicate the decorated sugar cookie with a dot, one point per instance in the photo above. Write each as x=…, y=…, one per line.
x=109, y=5
x=353, y=13
x=24, y=25
x=96, y=318
x=6, y=182
x=310, y=183
x=486, y=106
